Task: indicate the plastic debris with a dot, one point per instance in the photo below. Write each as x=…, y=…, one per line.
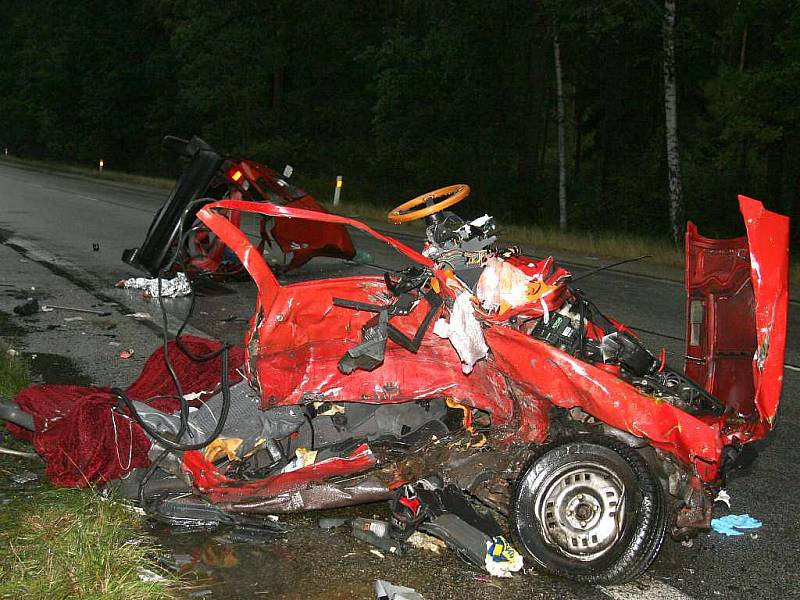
x=376, y=533
x=149, y=576
x=71, y=319
x=126, y=354
x=389, y=591
x=170, y=288
x=501, y=558
x=331, y=523
x=24, y=477
x=723, y=497
x=19, y=453
x=303, y=458
x=424, y=541
x=51, y=307
x=464, y=332
x=379, y=528
x=502, y=286
x=730, y=524
x=28, y=308
x=139, y=315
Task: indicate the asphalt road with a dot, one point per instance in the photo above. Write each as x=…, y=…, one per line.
x=49, y=223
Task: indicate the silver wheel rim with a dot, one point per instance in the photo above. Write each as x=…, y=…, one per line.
x=581, y=510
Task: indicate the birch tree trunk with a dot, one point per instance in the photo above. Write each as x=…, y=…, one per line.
x=562, y=151
x=671, y=115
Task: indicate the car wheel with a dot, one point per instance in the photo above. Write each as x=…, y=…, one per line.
x=588, y=508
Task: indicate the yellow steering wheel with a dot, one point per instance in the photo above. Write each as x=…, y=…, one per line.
x=450, y=195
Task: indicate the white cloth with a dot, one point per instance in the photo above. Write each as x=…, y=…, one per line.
x=464, y=332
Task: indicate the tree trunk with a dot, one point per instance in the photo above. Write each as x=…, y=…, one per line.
x=576, y=167
x=671, y=115
x=743, y=51
x=562, y=151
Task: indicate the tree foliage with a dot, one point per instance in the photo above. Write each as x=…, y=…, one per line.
x=402, y=96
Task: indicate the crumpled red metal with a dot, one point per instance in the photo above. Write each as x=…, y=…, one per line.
x=297, y=337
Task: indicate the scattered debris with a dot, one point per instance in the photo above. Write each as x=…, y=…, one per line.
x=724, y=498
x=139, y=315
x=424, y=541
x=389, y=591
x=501, y=558
x=731, y=524
x=149, y=576
x=331, y=523
x=170, y=288
x=28, y=308
x=377, y=553
x=376, y=533
x=50, y=307
x=126, y=354
x=19, y=453
x=71, y=319
x=24, y=477
x=234, y=319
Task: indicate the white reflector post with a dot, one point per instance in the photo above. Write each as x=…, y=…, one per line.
x=337, y=191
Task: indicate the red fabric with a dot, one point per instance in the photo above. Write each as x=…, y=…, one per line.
x=84, y=442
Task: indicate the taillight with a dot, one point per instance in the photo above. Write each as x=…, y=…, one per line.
x=235, y=174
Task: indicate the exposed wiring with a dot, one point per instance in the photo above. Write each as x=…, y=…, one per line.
x=168, y=444
x=611, y=266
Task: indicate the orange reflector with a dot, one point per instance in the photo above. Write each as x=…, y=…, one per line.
x=237, y=175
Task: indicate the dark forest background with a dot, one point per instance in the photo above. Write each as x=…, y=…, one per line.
x=402, y=96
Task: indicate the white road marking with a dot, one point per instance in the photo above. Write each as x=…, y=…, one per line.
x=644, y=588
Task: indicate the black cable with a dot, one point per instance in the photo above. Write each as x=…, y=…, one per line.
x=611, y=266
x=173, y=445
x=184, y=405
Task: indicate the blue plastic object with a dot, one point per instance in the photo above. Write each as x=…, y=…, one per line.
x=730, y=524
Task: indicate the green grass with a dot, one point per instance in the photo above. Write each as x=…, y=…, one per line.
x=605, y=244
x=13, y=374
x=66, y=543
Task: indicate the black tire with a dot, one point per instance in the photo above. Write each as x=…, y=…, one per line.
x=608, y=547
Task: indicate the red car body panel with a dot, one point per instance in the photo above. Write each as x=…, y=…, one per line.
x=303, y=241
x=736, y=307
x=297, y=337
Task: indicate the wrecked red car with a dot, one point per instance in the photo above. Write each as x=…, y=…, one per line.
x=209, y=176
x=470, y=374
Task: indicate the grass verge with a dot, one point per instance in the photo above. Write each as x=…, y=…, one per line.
x=13, y=373
x=66, y=543
x=605, y=244
x=93, y=172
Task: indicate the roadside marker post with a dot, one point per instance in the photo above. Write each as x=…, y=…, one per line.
x=337, y=191
x=101, y=164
